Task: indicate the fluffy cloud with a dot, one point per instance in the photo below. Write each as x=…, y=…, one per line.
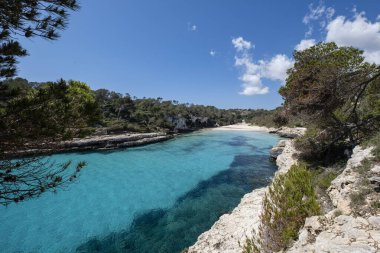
x=275, y=69
x=358, y=32
x=212, y=53
x=305, y=44
x=254, y=72
x=240, y=44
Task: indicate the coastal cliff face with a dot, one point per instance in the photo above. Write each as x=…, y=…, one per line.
x=229, y=233
x=343, y=230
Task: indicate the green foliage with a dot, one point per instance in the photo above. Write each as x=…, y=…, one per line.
x=338, y=94
x=290, y=200
x=315, y=147
x=121, y=112
x=358, y=198
x=322, y=178
x=40, y=18
x=47, y=112
x=374, y=141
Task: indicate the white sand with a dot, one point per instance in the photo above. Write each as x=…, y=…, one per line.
x=244, y=127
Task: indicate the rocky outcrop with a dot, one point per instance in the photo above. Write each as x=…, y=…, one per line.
x=113, y=141
x=277, y=150
x=290, y=132
x=229, y=233
x=101, y=142
x=341, y=230
x=342, y=234
x=346, y=183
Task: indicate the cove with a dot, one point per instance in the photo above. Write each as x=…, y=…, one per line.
x=154, y=198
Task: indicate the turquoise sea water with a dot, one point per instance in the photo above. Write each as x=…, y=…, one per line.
x=155, y=198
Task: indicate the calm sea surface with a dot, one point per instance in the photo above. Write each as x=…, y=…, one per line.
x=155, y=198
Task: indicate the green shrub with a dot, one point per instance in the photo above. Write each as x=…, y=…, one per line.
x=315, y=147
x=290, y=200
x=322, y=178
x=375, y=142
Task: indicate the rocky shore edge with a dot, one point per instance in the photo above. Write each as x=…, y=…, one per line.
x=338, y=230
x=101, y=142
x=229, y=233
x=125, y=140
x=286, y=132
x=341, y=229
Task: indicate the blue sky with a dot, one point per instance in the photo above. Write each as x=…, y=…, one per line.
x=197, y=51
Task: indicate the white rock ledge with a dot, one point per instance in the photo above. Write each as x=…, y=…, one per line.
x=345, y=233
x=231, y=230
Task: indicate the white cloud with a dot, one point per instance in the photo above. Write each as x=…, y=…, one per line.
x=253, y=73
x=314, y=13
x=212, y=53
x=276, y=68
x=319, y=14
x=358, y=32
x=305, y=44
x=330, y=13
x=191, y=27
x=240, y=44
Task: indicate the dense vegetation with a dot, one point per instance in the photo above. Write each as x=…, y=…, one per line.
x=37, y=115
x=290, y=200
x=338, y=95
x=20, y=109
x=39, y=103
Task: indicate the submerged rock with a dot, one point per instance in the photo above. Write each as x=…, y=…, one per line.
x=277, y=150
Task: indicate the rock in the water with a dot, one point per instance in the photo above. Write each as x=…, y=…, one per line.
x=277, y=150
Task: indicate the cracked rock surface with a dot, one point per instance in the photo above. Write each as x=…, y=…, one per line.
x=340, y=230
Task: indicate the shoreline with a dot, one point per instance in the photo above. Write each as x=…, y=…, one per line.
x=126, y=140
x=245, y=127
x=99, y=143
x=286, y=132
x=229, y=232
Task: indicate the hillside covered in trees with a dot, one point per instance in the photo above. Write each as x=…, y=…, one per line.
x=108, y=110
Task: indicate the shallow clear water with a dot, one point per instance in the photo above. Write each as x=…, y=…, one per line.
x=155, y=198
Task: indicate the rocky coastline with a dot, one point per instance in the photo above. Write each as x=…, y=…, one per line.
x=125, y=140
x=100, y=142
x=339, y=229
x=229, y=233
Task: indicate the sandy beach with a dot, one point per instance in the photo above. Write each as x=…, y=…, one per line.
x=245, y=127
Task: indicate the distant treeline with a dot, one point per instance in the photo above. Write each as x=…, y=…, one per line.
x=73, y=109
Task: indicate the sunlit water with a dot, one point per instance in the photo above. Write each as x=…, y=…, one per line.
x=155, y=198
